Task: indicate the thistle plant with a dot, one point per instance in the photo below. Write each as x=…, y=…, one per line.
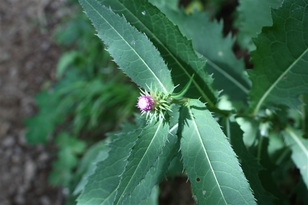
x=219, y=148
x=154, y=105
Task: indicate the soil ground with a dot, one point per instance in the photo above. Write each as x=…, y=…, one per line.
x=28, y=58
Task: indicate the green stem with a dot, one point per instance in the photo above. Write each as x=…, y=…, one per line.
x=180, y=94
x=282, y=156
x=259, y=148
x=228, y=131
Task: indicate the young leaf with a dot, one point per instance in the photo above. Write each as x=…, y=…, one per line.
x=101, y=186
x=209, y=160
x=176, y=49
x=229, y=72
x=131, y=50
x=253, y=15
x=299, y=147
x=281, y=58
x=144, y=155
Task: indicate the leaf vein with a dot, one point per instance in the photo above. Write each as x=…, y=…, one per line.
x=128, y=44
x=206, y=155
x=269, y=90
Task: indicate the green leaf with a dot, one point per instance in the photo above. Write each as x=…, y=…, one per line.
x=229, y=72
x=40, y=126
x=131, y=50
x=95, y=154
x=209, y=160
x=160, y=168
x=249, y=163
x=62, y=168
x=144, y=155
x=250, y=128
x=65, y=61
x=101, y=186
x=299, y=147
x=153, y=199
x=156, y=173
x=252, y=16
x=172, y=4
x=173, y=46
x=305, y=116
x=281, y=58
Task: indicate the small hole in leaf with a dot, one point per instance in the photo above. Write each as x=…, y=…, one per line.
x=198, y=179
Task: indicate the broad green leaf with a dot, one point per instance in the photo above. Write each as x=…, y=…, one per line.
x=101, y=186
x=299, y=147
x=95, y=154
x=144, y=155
x=173, y=46
x=158, y=171
x=153, y=199
x=175, y=165
x=281, y=58
x=155, y=173
x=249, y=163
x=229, y=72
x=131, y=50
x=252, y=16
x=210, y=162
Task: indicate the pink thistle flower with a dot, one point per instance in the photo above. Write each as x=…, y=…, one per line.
x=145, y=103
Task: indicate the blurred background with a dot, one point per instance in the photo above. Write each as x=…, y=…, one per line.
x=28, y=59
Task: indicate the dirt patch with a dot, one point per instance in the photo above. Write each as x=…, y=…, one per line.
x=28, y=58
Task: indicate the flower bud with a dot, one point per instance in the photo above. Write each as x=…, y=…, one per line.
x=154, y=105
x=145, y=103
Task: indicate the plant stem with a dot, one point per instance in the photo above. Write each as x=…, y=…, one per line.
x=259, y=148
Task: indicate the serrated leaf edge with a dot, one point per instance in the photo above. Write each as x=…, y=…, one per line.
x=268, y=91
x=210, y=103
x=227, y=75
x=125, y=160
x=117, y=198
x=206, y=154
x=165, y=90
x=154, y=164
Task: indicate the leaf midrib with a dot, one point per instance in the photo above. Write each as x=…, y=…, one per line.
x=161, y=84
x=134, y=173
x=206, y=154
x=171, y=54
x=227, y=75
x=298, y=142
x=269, y=90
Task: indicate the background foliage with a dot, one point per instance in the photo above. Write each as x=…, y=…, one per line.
x=240, y=136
